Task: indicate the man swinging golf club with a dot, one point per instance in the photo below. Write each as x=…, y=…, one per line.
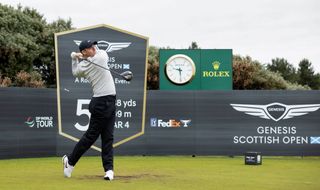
x=102, y=106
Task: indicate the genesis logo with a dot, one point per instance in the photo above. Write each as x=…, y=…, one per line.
x=108, y=46
x=276, y=111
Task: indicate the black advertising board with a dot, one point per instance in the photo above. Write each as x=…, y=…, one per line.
x=233, y=122
x=126, y=51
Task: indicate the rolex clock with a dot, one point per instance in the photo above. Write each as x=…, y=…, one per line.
x=180, y=69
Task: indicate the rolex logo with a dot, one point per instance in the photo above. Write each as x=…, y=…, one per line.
x=216, y=72
x=216, y=65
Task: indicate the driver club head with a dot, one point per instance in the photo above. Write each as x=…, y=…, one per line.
x=127, y=75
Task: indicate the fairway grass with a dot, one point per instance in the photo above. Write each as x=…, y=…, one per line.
x=160, y=172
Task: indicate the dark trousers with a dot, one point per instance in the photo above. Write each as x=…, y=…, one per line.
x=102, y=120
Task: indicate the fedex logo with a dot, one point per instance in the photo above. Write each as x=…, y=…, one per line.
x=171, y=123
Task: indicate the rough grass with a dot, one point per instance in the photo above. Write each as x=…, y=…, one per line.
x=172, y=172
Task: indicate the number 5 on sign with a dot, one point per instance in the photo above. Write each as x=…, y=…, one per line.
x=82, y=111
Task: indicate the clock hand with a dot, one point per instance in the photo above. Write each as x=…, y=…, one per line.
x=180, y=70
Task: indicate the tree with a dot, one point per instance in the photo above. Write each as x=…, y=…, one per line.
x=45, y=62
x=153, y=68
x=251, y=75
x=18, y=44
x=307, y=76
x=316, y=80
x=287, y=70
x=26, y=42
x=194, y=45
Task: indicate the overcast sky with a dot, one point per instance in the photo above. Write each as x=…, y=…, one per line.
x=262, y=29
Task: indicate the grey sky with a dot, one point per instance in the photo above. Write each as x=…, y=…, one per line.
x=262, y=29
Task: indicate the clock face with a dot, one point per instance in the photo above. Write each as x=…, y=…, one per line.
x=180, y=69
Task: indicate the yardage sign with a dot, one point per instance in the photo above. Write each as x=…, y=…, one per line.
x=127, y=51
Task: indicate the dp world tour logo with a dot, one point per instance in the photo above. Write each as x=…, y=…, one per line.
x=276, y=111
x=40, y=122
x=29, y=122
x=108, y=46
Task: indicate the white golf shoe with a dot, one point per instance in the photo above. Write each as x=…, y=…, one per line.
x=67, y=168
x=109, y=175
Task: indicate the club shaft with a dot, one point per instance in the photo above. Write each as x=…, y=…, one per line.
x=115, y=72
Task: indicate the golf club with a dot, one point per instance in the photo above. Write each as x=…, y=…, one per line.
x=126, y=75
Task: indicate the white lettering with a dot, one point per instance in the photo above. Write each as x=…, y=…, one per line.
x=256, y=140
x=129, y=103
x=276, y=130
x=276, y=109
x=295, y=140
x=121, y=81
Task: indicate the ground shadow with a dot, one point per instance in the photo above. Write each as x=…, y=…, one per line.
x=125, y=178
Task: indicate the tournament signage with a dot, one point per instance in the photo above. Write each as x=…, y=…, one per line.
x=126, y=51
x=233, y=122
x=208, y=69
x=273, y=122
x=288, y=134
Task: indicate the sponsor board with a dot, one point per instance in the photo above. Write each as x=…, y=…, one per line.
x=276, y=134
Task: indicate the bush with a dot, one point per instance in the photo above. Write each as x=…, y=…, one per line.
x=243, y=71
x=5, y=82
x=252, y=75
x=33, y=79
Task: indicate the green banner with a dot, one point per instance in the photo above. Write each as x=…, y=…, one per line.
x=208, y=69
x=216, y=69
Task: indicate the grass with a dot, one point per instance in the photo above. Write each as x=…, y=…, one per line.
x=155, y=172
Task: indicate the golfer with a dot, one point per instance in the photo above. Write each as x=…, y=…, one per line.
x=101, y=107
